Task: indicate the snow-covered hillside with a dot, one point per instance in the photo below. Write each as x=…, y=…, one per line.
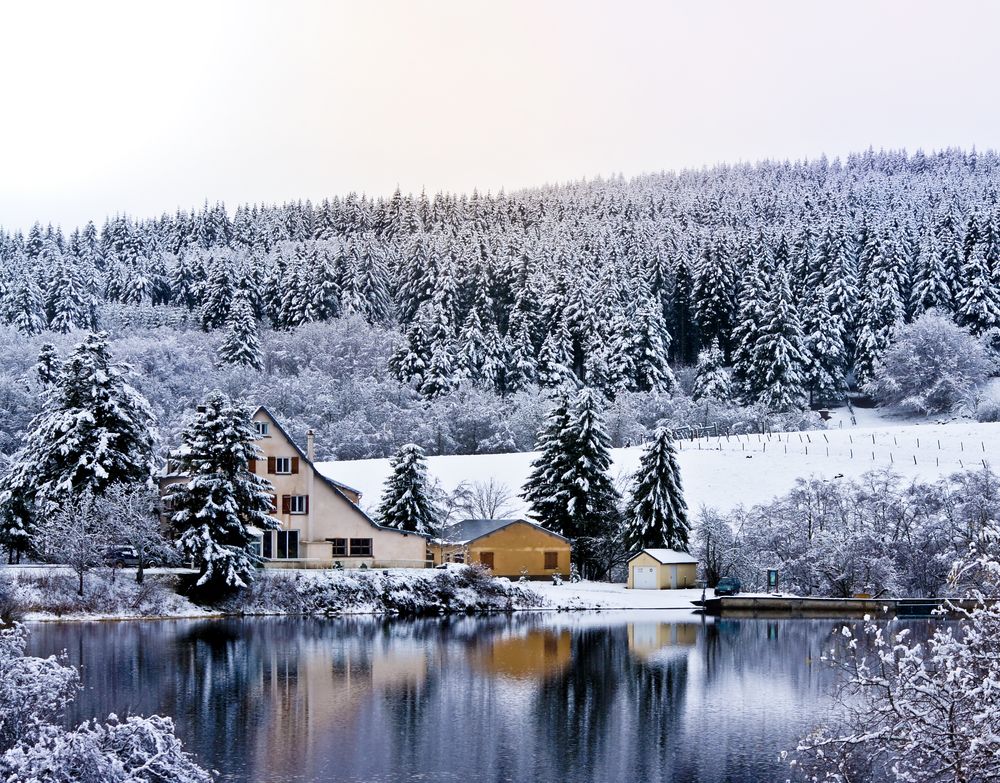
x=726, y=472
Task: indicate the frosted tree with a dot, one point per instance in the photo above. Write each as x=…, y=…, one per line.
x=471, y=348
x=406, y=500
x=825, y=355
x=94, y=430
x=241, y=345
x=749, y=319
x=977, y=300
x=778, y=356
x=656, y=516
x=409, y=361
x=218, y=296
x=47, y=366
x=711, y=379
x=555, y=359
x=573, y=494
x=24, y=305
x=714, y=287
x=214, y=509
x=931, y=287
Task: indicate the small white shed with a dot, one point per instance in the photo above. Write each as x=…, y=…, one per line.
x=661, y=569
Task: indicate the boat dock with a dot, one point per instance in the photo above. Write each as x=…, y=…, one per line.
x=805, y=606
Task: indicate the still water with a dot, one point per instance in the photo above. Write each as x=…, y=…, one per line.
x=611, y=696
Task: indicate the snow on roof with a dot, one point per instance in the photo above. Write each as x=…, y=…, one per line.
x=470, y=529
x=668, y=556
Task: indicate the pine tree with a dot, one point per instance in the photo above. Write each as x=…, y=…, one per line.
x=825, y=354
x=94, y=431
x=977, y=305
x=241, y=344
x=656, y=516
x=406, y=502
x=24, y=306
x=555, y=358
x=779, y=357
x=214, y=510
x=569, y=489
x=409, y=362
x=47, y=366
x=711, y=380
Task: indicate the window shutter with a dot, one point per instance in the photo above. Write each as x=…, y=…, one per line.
x=286, y=504
x=274, y=502
x=295, y=464
x=252, y=465
x=270, y=465
x=307, y=504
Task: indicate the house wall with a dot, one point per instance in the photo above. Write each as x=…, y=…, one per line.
x=330, y=515
x=687, y=573
x=515, y=547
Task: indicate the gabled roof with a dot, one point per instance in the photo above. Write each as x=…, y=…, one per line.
x=468, y=530
x=667, y=556
x=335, y=486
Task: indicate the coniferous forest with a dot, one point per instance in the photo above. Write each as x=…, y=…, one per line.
x=792, y=275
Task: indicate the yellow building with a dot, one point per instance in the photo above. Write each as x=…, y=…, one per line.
x=661, y=569
x=508, y=547
x=321, y=522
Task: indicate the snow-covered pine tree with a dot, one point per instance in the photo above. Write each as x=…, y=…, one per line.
x=94, y=430
x=241, y=345
x=47, y=366
x=471, y=349
x=410, y=360
x=555, y=358
x=778, y=380
x=212, y=513
x=569, y=489
x=714, y=288
x=406, y=501
x=24, y=305
x=825, y=355
x=711, y=379
x=218, y=296
x=656, y=516
x=977, y=300
x=749, y=319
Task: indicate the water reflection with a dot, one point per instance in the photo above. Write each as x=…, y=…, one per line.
x=582, y=697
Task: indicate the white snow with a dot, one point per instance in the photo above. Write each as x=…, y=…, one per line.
x=727, y=472
x=605, y=595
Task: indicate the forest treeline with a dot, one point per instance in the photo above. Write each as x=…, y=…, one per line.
x=794, y=275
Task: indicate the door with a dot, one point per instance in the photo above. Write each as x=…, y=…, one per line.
x=486, y=558
x=673, y=577
x=644, y=577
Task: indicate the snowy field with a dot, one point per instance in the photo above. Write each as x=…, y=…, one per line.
x=603, y=595
x=727, y=472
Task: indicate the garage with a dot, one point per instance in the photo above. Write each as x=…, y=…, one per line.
x=662, y=569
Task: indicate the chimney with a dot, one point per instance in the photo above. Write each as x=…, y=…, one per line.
x=311, y=445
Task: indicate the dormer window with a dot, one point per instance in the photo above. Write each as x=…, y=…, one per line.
x=263, y=429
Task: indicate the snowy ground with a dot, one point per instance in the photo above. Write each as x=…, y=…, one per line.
x=726, y=472
x=603, y=595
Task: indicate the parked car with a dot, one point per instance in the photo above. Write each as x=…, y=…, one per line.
x=728, y=585
x=125, y=557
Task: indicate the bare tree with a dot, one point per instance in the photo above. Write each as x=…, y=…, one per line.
x=483, y=500
x=75, y=535
x=132, y=511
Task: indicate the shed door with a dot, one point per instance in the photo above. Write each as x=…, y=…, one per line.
x=644, y=577
x=673, y=577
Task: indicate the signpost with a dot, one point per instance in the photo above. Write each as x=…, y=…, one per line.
x=772, y=580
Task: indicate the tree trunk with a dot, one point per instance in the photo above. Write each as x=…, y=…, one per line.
x=139, y=573
x=79, y=591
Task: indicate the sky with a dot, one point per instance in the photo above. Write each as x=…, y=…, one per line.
x=144, y=107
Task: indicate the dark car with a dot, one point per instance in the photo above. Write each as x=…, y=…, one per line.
x=124, y=557
x=728, y=585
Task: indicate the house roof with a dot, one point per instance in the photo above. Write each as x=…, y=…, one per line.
x=469, y=530
x=666, y=556
x=334, y=485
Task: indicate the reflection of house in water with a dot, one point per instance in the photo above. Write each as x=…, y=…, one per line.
x=656, y=640
x=316, y=691
x=537, y=654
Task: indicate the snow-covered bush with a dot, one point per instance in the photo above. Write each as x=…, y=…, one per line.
x=913, y=712
x=34, y=746
x=931, y=366
x=54, y=593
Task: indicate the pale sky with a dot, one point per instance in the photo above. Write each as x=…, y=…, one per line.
x=144, y=106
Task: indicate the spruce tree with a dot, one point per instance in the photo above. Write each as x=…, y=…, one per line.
x=656, y=516
x=213, y=510
x=711, y=379
x=406, y=502
x=977, y=305
x=94, y=431
x=569, y=489
x=47, y=366
x=241, y=345
x=779, y=356
x=825, y=355
x=408, y=363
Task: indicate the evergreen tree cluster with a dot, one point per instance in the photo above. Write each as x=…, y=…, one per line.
x=799, y=272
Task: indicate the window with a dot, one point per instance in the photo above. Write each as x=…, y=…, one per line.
x=551, y=560
x=288, y=544
x=282, y=464
x=257, y=546
x=486, y=558
x=268, y=547
x=338, y=547
x=361, y=547
x=294, y=504
x=263, y=428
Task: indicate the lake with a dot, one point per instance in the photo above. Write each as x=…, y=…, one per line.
x=595, y=696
